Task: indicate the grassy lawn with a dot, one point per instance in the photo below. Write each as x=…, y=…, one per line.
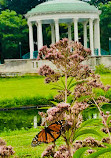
x=30, y=87
x=106, y=78
x=15, y=92
x=24, y=87
x=25, y=91
x=21, y=141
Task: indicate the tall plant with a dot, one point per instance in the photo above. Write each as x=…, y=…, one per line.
x=78, y=82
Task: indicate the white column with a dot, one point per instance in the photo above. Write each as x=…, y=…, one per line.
x=31, y=42
x=97, y=35
x=69, y=32
x=91, y=36
x=35, y=121
x=75, y=29
x=39, y=34
x=85, y=34
x=57, y=29
x=52, y=33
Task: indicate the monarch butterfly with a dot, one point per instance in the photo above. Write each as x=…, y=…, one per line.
x=48, y=134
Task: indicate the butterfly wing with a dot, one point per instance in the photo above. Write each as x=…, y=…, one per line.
x=39, y=138
x=55, y=127
x=53, y=131
x=49, y=134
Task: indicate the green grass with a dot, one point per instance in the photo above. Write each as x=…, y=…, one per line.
x=21, y=141
x=106, y=78
x=24, y=87
x=15, y=92
x=26, y=91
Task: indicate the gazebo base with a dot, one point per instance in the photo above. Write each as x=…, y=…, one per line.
x=13, y=67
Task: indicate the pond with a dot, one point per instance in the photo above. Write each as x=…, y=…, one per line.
x=28, y=118
x=18, y=119
x=93, y=112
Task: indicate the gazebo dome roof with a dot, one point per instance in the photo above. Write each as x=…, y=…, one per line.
x=63, y=6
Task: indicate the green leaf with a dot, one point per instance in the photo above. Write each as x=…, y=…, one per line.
x=70, y=82
x=63, y=82
x=53, y=102
x=109, y=118
x=79, y=153
x=87, y=122
x=56, y=85
x=86, y=131
x=57, y=88
x=108, y=145
x=98, y=153
x=75, y=83
x=47, y=107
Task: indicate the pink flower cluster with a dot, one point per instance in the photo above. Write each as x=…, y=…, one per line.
x=45, y=71
x=102, y=99
x=88, y=142
x=49, y=73
x=49, y=151
x=98, y=84
x=64, y=54
x=83, y=72
x=57, y=113
x=62, y=152
x=105, y=118
x=61, y=95
x=105, y=130
x=78, y=107
x=106, y=140
x=5, y=150
x=90, y=151
x=82, y=90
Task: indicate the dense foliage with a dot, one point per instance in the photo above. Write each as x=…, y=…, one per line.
x=13, y=29
x=105, y=24
x=21, y=6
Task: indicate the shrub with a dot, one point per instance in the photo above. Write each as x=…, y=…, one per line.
x=68, y=57
x=101, y=69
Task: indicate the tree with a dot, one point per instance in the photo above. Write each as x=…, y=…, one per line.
x=13, y=29
x=96, y=2
x=21, y=6
x=105, y=24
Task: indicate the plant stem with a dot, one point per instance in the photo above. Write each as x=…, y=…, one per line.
x=103, y=119
x=65, y=87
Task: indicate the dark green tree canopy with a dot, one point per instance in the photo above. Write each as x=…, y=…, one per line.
x=13, y=29
x=105, y=23
x=96, y=2
x=21, y=6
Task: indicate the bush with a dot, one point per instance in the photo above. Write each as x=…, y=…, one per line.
x=101, y=69
x=26, y=101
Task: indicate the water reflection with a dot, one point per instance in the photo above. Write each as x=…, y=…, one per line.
x=17, y=119
x=93, y=112
x=28, y=118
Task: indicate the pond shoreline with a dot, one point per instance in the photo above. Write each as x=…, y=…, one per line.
x=24, y=107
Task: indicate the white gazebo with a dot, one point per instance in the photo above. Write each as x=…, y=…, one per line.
x=54, y=12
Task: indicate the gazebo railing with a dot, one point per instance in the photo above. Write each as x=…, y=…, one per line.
x=35, y=54
x=27, y=55
x=103, y=52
